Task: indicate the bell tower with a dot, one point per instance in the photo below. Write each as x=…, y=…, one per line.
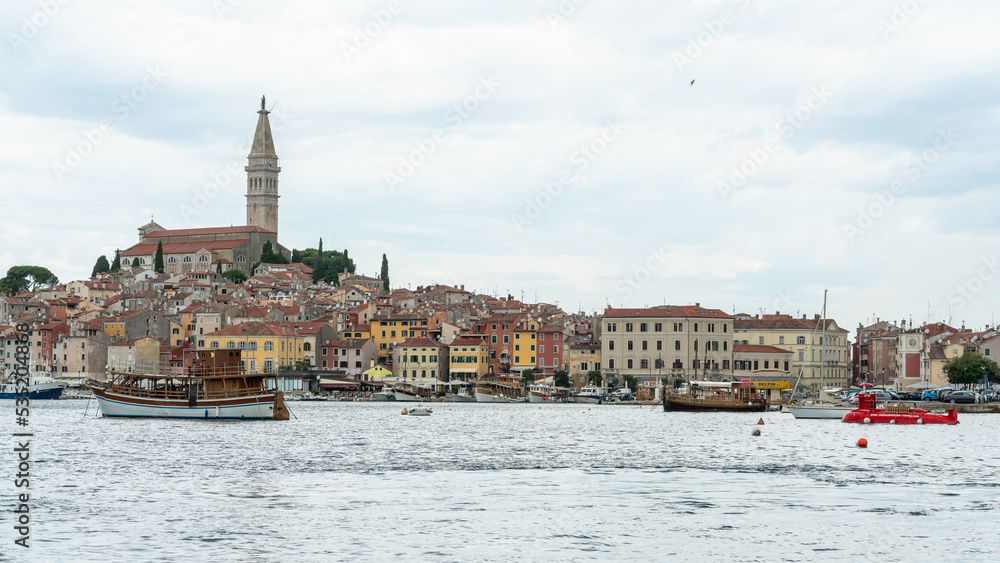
x=262, y=176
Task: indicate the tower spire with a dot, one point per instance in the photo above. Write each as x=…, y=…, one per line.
x=262, y=176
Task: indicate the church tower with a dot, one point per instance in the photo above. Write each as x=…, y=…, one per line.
x=262, y=176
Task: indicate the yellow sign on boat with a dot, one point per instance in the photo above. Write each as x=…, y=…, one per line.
x=772, y=384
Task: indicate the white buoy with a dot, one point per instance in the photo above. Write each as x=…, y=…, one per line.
x=867, y=420
x=892, y=421
x=920, y=421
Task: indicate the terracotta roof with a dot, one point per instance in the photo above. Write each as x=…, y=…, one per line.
x=182, y=247
x=346, y=343
x=681, y=311
x=468, y=342
x=207, y=231
x=417, y=342
x=255, y=328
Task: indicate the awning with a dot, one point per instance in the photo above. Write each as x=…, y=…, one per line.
x=922, y=385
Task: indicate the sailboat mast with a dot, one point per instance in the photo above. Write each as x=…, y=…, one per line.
x=822, y=344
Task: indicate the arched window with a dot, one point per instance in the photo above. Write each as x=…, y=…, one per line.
x=203, y=258
x=241, y=258
x=187, y=259
x=171, y=260
x=142, y=261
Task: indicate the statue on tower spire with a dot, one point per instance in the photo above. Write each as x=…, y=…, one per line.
x=262, y=102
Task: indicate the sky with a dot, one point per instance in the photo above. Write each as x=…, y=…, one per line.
x=556, y=151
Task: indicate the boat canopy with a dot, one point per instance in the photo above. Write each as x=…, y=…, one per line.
x=725, y=384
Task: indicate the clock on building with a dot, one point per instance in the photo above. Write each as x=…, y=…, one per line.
x=913, y=342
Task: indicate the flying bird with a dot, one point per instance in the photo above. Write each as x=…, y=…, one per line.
x=692, y=83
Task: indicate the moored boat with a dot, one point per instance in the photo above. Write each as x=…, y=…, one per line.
x=39, y=387
x=384, y=395
x=716, y=396
x=213, y=387
x=499, y=389
x=590, y=395
x=869, y=413
x=462, y=396
x=819, y=411
x=540, y=393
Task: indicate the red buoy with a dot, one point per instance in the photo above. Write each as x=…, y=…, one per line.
x=761, y=421
x=862, y=443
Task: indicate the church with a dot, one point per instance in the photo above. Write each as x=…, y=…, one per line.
x=185, y=250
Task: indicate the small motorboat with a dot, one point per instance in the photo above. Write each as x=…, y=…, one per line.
x=868, y=413
x=417, y=411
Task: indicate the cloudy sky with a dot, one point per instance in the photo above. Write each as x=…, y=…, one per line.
x=554, y=148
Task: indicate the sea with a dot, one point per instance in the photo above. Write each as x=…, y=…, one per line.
x=353, y=481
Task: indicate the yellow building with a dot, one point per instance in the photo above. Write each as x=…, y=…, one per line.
x=389, y=330
x=376, y=373
x=362, y=331
x=176, y=333
x=265, y=346
x=468, y=359
x=583, y=358
x=525, y=351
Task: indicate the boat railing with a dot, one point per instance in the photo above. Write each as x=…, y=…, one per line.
x=182, y=393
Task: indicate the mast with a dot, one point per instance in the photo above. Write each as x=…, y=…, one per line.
x=822, y=345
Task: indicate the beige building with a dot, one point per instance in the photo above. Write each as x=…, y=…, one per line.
x=420, y=361
x=583, y=358
x=806, y=339
x=468, y=359
x=139, y=354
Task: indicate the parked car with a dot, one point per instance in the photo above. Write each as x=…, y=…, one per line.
x=962, y=397
x=944, y=394
x=908, y=396
x=929, y=395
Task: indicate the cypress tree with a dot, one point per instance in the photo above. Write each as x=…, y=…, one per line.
x=101, y=266
x=158, y=259
x=135, y=262
x=385, y=274
x=218, y=267
x=296, y=256
x=318, y=263
x=116, y=266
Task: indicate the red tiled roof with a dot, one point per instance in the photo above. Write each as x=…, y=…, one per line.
x=255, y=328
x=664, y=312
x=182, y=247
x=416, y=342
x=207, y=231
x=468, y=342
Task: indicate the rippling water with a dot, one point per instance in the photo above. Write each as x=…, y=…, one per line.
x=472, y=482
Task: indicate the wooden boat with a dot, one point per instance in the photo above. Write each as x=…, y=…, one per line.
x=500, y=389
x=411, y=393
x=868, y=413
x=716, y=396
x=213, y=387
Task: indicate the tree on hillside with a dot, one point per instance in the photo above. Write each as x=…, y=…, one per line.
x=116, y=266
x=318, y=263
x=385, y=273
x=594, y=378
x=218, y=267
x=135, y=262
x=296, y=256
x=158, y=258
x=101, y=266
x=235, y=276
x=27, y=278
x=560, y=378
x=968, y=369
x=269, y=256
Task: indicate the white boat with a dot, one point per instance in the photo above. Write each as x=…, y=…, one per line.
x=819, y=411
x=590, y=395
x=417, y=411
x=461, y=397
x=407, y=396
x=541, y=394
x=493, y=396
x=384, y=395
x=39, y=387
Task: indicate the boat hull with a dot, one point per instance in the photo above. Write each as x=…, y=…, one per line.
x=482, y=397
x=36, y=394
x=913, y=416
x=460, y=398
x=384, y=396
x=819, y=412
x=534, y=397
x=260, y=407
x=674, y=403
x=587, y=399
x=406, y=396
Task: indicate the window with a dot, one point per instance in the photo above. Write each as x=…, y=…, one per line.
x=658, y=327
x=628, y=363
x=203, y=258
x=766, y=364
x=781, y=340
x=494, y=326
x=171, y=260
x=800, y=340
x=628, y=345
x=532, y=347
x=506, y=339
x=506, y=326
x=541, y=336
x=611, y=344
x=517, y=336
x=677, y=364
x=786, y=365
x=517, y=359
x=678, y=327
x=711, y=327
x=659, y=345
x=541, y=349
x=253, y=346
x=230, y=345
x=801, y=355
x=611, y=363
x=612, y=327
x=645, y=345
x=494, y=339
x=628, y=327
x=695, y=327
x=725, y=328
x=725, y=346
x=677, y=344
x=555, y=348
x=642, y=327
x=517, y=347
x=269, y=346
x=643, y=363
x=214, y=344
x=243, y=345
x=760, y=340
x=755, y=365
x=725, y=363
x=307, y=346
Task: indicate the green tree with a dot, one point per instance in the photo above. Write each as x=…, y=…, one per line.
x=594, y=378
x=560, y=378
x=218, y=267
x=968, y=369
x=101, y=266
x=27, y=278
x=158, y=258
x=528, y=376
x=116, y=266
x=235, y=276
x=612, y=383
x=135, y=262
x=269, y=256
x=385, y=272
x=317, y=265
x=296, y=256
